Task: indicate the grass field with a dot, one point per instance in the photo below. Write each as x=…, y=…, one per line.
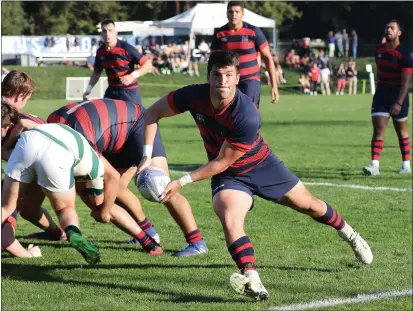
x=322, y=140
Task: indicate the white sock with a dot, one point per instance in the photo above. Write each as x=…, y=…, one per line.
x=406, y=164
x=347, y=230
x=375, y=163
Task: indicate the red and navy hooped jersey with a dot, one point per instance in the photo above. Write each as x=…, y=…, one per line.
x=32, y=117
x=105, y=123
x=246, y=43
x=391, y=64
x=238, y=124
x=118, y=62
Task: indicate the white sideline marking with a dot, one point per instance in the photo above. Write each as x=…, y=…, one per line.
x=327, y=184
x=342, y=301
x=357, y=186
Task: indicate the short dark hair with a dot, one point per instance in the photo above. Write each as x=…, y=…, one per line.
x=236, y=3
x=8, y=114
x=106, y=22
x=396, y=21
x=223, y=58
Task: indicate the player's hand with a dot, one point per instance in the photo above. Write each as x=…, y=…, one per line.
x=99, y=216
x=274, y=95
x=170, y=190
x=86, y=95
x=127, y=79
x=34, y=250
x=395, y=109
x=145, y=162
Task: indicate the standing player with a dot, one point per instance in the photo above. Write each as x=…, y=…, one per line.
x=241, y=165
x=394, y=74
x=118, y=58
x=52, y=155
x=247, y=41
x=114, y=128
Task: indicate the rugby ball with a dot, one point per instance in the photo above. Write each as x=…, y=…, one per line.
x=151, y=183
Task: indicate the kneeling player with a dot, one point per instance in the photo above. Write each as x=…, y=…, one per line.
x=241, y=165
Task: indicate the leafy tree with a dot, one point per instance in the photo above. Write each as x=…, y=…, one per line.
x=13, y=19
x=282, y=12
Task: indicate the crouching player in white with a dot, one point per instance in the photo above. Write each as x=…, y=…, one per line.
x=55, y=155
x=241, y=165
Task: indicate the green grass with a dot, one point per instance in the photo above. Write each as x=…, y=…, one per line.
x=51, y=81
x=321, y=139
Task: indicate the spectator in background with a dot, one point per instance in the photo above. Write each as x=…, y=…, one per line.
x=341, y=79
x=304, y=84
x=204, y=50
x=306, y=45
x=314, y=74
x=324, y=64
x=339, y=43
x=346, y=42
x=355, y=40
x=292, y=60
x=351, y=73
x=305, y=61
x=331, y=44
x=94, y=45
x=193, y=56
x=46, y=42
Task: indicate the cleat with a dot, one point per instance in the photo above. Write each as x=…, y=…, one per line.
x=360, y=247
x=43, y=235
x=371, y=170
x=193, y=249
x=249, y=284
x=155, y=252
x=88, y=250
x=405, y=170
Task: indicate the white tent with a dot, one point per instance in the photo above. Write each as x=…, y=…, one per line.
x=204, y=17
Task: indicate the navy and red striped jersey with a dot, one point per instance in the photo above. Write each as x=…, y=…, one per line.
x=246, y=43
x=391, y=64
x=32, y=117
x=118, y=62
x=105, y=123
x=238, y=124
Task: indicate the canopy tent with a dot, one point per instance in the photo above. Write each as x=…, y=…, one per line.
x=203, y=18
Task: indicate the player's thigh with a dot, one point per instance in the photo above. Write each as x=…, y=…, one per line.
x=400, y=121
x=62, y=199
x=11, y=193
x=232, y=206
x=299, y=198
x=251, y=88
x=160, y=162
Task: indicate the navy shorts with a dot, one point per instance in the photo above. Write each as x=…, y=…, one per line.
x=251, y=88
x=384, y=98
x=270, y=180
x=132, y=95
x=131, y=154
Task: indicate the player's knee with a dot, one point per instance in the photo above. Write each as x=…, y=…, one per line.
x=7, y=235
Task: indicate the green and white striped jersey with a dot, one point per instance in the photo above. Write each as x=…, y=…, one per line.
x=87, y=165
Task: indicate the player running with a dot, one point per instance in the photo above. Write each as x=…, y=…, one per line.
x=241, y=165
x=394, y=74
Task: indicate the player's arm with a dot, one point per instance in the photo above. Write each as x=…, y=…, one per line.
x=9, y=197
x=145, y=64
x=161, y=109
x=7, y=145
x=104, y=201
x=406, y=82
x=94, y=77
x=228, y=154
x=269, y=64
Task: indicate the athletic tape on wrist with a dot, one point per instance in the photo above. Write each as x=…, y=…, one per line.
x=186, y=179
x=147, y=151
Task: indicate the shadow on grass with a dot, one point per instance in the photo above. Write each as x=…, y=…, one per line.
x=35, y=273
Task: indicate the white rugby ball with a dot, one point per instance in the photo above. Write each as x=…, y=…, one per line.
x=151, y=183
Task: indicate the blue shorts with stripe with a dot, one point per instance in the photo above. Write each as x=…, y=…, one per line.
x=131, y=154
x=384, y=98
x=251, y=88
x=270, y=180
x=131, y=95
